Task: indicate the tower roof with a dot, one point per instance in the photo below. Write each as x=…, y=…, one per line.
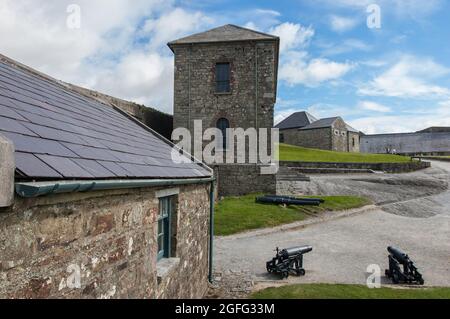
x=226, y=33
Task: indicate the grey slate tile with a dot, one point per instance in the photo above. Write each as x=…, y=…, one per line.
x=65, y=166
x=32, y=166
x=59, y=133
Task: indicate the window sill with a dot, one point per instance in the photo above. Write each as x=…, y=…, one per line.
x=165, y=266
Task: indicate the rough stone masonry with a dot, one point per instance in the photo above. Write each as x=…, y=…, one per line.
x=109, y=239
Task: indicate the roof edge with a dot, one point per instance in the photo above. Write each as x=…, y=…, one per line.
x=37, y=189
x=270, y=37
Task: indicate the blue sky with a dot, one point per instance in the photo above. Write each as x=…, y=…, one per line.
x=392, y=79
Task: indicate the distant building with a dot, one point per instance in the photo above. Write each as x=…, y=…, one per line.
x=305, y=130
x=431, y=141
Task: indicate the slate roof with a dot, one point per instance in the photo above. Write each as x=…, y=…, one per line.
x=322, y=123
x=60, y=134
x=296, y=120
x=226, y=33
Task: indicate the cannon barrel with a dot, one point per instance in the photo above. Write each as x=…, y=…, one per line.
x=297, y=250
x=399, y=255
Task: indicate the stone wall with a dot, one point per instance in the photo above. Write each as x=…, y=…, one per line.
x=385, y=167
x=339, y=136
x=236, y=180
x=353, y=142
x=415, y=144
x=110, y=237
x=253, y=84
x=318, y=138
x=335, y=138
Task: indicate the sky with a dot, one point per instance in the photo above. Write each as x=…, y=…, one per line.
x=394, y=77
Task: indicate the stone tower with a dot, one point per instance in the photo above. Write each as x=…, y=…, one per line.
x=227, y=77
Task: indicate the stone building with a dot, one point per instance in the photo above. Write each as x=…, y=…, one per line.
x=91, y=203
x=431, y=141
x=227, y=77
x=333, y=134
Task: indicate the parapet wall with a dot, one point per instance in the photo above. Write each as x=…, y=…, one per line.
x=385, y=167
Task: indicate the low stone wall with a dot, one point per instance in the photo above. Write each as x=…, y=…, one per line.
x=385, y=167
x=431, y=158
x=109, y=238
x=242, y=179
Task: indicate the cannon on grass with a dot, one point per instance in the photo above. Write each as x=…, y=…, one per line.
x=288, y=261
x=286, y=200
x=409, y=274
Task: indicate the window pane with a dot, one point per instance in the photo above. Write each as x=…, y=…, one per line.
x=160, y=244
x=223, y=124
x=223, y=77
x=160, y=227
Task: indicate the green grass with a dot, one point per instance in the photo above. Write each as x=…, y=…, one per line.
x=238, y=214
x=290, y=153
x=329, y=291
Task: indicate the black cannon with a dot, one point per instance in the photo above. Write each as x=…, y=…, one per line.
x=277, y=200
x=409, y=274
x=287, y=261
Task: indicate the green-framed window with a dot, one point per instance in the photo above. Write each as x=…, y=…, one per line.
x=164, y=225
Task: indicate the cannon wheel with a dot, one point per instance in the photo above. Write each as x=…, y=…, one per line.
x=285, y=274
x=395, y=278
x=301, y=272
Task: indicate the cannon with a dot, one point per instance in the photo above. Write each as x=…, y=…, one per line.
x=277, y=200
x=409, y=274
x=288, y=261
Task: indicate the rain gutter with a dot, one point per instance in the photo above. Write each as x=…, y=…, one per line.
x=36, y=189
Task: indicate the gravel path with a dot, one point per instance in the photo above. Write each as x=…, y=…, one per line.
x=417, y=221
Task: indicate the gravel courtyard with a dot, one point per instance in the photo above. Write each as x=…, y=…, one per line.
x=413, y=213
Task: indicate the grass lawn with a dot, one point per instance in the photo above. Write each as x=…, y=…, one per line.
x=292, y=153
x=238, y=214
x=329, y=291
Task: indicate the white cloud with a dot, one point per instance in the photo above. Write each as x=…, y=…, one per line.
x=345, y=46
x=111, y=52
x=296, y=66
x=173, y=25
x=299, y=70
x=268, y=12
x=373, y=106
x=342, y=24
x=409, y=8
x=292, y=35
x=410, y=77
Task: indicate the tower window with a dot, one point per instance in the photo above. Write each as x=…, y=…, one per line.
x=223, y=78
x=223, y=124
